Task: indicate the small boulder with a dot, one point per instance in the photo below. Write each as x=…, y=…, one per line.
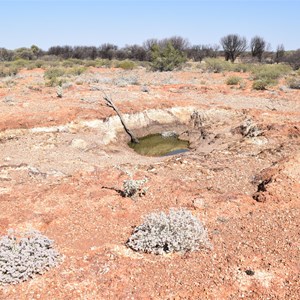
x=79, y=144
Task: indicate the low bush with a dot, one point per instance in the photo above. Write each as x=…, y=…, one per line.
x=53, y=76
x=233, y=80
x=54, y=73
x=21, y=257
x=39, y=63
x=260, y=84
x=217, y=65
x=8, y=71
x=178, y=231
x=294, y=83
x=20, y=63
x=125, y=65
x=125, y=81
x=132, y=187
x=103, y=63
x=241, y=67
x=76, y=70
x=71, y=62
x=270, y=72
x=90, y=63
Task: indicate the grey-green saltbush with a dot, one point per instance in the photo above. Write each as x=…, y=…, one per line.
x=178, y=231
x=23, y=257
x=132, y=187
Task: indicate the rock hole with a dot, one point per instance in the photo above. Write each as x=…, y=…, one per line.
x=160, y=144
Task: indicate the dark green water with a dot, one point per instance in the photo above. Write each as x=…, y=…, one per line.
x=156, y=145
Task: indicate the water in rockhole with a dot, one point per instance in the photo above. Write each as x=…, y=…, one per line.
x=157, y=145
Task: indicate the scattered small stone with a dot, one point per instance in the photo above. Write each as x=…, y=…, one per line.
x=145, y=89
x=199, y=203
x=167, y=134
x=284, y=89
x=79, y=144
x=249, y=272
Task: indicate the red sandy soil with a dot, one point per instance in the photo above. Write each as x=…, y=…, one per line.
x=244, y=189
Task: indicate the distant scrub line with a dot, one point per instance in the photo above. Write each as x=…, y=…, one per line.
x=168, y=54
x=232, y=47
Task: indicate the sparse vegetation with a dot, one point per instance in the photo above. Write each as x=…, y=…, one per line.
x=54, y=73
x=267, y=75
x=233, y=80
x=126, y=65
x=260, y=84
x=270, y=72
x=178, y=231
x=53, y=76
x=76, y=70
x=8, y=71
x=217, y=65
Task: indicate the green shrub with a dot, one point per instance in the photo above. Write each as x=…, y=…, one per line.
x=233, y=80
x=55, y=82
x=53, y=76
x=126, y=65
x=35, y=64
x=90, y=63
x=77, y=70
x=71, y=62
x=270, y=72
x=217, y=65
x=39, y=63
x=8, y=71
x=54, y=73
x=260, y=84
x=67, y=63
x=241, y=67
x=20, y=63
x=166, y=58
x=103, y=63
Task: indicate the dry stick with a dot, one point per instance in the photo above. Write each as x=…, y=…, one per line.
x=110, y=103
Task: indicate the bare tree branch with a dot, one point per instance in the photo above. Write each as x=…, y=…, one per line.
x=110, y=104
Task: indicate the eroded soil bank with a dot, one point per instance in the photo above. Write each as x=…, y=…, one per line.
x=241, y=178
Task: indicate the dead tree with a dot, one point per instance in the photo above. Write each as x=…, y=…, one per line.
x=110, y=103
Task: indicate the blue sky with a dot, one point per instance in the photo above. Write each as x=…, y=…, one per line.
x=91, y=22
